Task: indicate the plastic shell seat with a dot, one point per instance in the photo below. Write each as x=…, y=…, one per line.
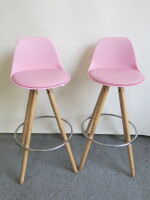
x=36, y=65
x=114, y=64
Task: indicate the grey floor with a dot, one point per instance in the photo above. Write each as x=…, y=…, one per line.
x=49, y=175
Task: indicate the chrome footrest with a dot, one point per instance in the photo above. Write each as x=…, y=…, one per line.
x=50, y=149
x=109, y=145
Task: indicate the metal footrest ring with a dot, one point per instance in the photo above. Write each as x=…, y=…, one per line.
x=44, y=150
x=109, y=145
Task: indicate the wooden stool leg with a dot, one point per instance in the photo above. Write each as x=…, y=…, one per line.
x=94, y=113
x=28, y=134
x=26, y=118
x=61, y=128
x=126, y=129
x=102, y=98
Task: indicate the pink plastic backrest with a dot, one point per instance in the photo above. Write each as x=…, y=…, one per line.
x=34, y=53
x=113, y=52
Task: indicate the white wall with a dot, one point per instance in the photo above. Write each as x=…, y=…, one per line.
x=74, y=27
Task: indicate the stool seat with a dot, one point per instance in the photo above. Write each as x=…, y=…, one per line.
x=116, y=77
x=40, y=78
x=36, y=65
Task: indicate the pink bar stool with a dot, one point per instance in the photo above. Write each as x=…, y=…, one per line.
x=113, y=64
x=36, y=67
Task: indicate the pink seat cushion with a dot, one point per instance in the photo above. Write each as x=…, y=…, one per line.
x=40, y=79
x=116, y=77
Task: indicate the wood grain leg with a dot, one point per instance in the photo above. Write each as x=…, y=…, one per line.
x=94, y=112
x=61, y=128
x=28, y=134
x=126, y=129
x=26, y=118
x=102, y=98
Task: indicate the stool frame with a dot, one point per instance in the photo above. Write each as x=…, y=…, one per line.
x=95, y=119
x=27, y=129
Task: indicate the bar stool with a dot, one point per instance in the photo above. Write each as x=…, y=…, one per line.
x=113, y=64
x=36, y=67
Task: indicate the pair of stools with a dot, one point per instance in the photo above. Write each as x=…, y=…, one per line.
x=36, y=67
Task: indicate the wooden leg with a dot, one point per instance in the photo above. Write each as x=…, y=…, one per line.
x=33, y=93
x=102, y=98
x=94, y=113
x=61, y=128
x=126, y=129
x=26, y=118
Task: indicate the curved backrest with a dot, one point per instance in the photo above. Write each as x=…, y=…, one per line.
x=34, y=53
x=113, y=52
